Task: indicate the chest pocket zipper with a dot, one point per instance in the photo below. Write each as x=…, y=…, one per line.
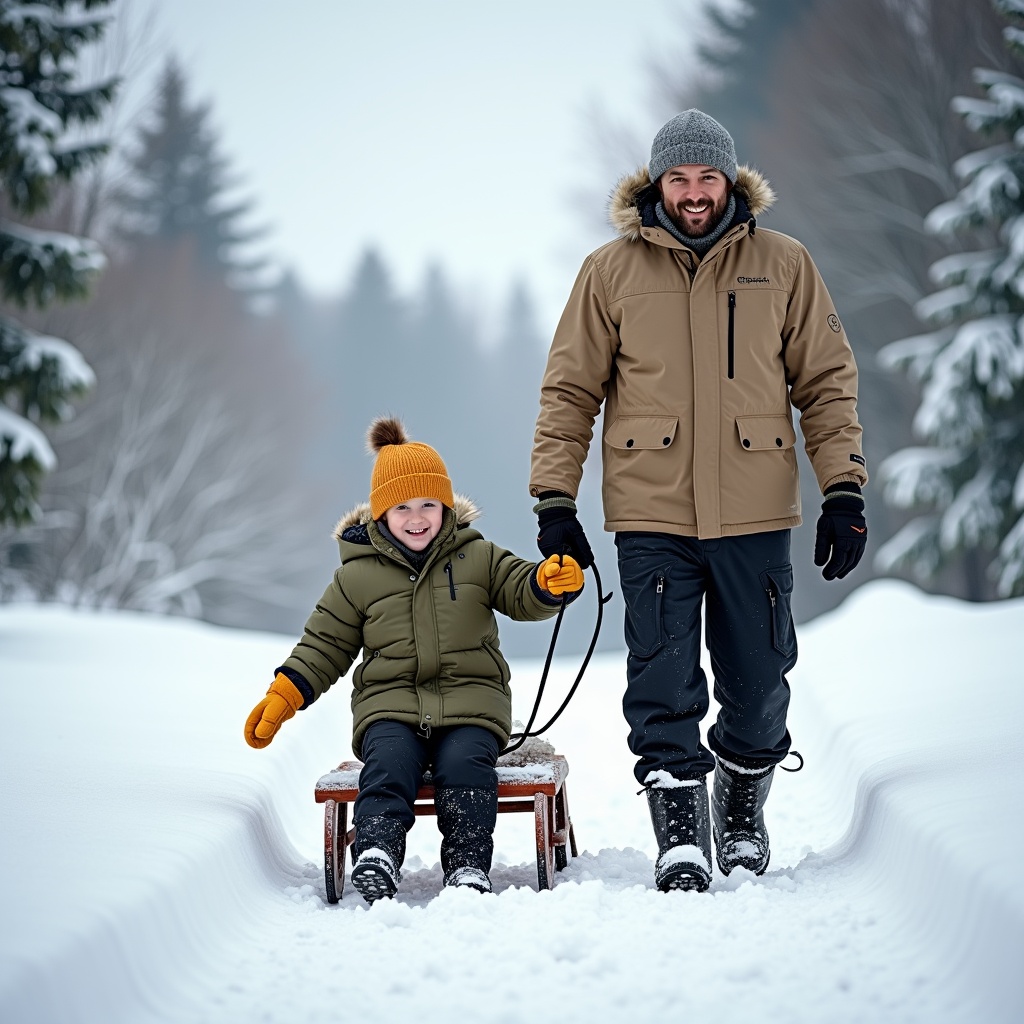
x=732, y=335
x=451, y=578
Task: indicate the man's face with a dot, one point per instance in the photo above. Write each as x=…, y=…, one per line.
x=694, y=197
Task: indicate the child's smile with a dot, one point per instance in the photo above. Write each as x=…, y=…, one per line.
x=415, y=522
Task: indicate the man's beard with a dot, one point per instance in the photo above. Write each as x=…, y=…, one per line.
x=685, y=221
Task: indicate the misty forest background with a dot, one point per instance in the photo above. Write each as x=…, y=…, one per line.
x=202, y=473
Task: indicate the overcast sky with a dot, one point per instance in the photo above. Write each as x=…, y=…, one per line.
x=455, y=131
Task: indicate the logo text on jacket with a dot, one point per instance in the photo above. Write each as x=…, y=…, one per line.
x=752, y=280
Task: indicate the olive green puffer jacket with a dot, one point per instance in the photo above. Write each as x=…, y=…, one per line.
x=428, y=638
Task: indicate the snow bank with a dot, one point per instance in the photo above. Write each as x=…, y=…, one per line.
x=157, y=869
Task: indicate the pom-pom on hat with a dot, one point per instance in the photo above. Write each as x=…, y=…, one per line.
x=404, y=469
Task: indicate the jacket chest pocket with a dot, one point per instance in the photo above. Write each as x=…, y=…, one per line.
x=461, y=620
x=752, y=328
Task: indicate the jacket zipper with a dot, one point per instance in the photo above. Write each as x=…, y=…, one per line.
x=451, y=580
x=732, y=335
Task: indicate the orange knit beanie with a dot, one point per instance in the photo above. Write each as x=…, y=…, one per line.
x=404, y=469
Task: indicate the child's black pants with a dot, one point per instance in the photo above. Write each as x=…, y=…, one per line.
x=395, y=757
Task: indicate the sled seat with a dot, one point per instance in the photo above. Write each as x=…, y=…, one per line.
x=537, y=786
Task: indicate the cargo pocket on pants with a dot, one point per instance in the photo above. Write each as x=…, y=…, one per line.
x=644, y=598
x=778, y=585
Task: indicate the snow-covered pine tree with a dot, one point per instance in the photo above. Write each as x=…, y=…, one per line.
x=42, y=109
x=180, y=187
x=969, y=477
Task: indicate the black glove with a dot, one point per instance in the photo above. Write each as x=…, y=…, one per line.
x=842, y=531
x=560, y=532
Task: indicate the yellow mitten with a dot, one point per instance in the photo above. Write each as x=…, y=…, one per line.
x=560, y=574
x=281, y=702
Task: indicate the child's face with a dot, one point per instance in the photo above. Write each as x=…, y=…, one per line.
x=415, y=522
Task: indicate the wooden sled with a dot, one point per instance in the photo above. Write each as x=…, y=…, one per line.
x=538, y=786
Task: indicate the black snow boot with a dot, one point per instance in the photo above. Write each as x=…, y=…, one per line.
x=737, y=806
x=378, y=851
x=466, y=817
x=680, y=818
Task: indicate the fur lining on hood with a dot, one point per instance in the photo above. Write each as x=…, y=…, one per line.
x=466, y=512
x=624, y=214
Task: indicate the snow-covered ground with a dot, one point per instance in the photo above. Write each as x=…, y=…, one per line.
x=155, y=868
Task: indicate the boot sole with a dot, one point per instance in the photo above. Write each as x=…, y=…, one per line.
x=467, y=878
x=469, y=885
x=685, y=878
x=728, y=867
x=373, y=883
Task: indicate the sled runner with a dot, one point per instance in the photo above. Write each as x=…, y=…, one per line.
x=537, y=786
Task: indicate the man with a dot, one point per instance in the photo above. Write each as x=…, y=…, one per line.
x=697, y=332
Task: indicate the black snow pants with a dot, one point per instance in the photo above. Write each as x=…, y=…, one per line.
x=747, y=584
x=395, y=757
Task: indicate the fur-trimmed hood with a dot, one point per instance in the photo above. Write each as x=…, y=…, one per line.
x=628, y=196
x=466, y=511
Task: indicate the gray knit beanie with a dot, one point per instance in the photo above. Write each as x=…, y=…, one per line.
x=693, y=138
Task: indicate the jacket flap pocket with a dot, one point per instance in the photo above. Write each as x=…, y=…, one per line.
x=642, y=432
x=772, y=431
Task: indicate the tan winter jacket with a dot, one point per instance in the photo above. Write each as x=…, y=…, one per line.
x=428, y=638
x=697, y=365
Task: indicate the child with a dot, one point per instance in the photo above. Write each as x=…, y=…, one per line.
x=416, y=592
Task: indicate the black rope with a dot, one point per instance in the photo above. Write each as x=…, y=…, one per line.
x=523, y=736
